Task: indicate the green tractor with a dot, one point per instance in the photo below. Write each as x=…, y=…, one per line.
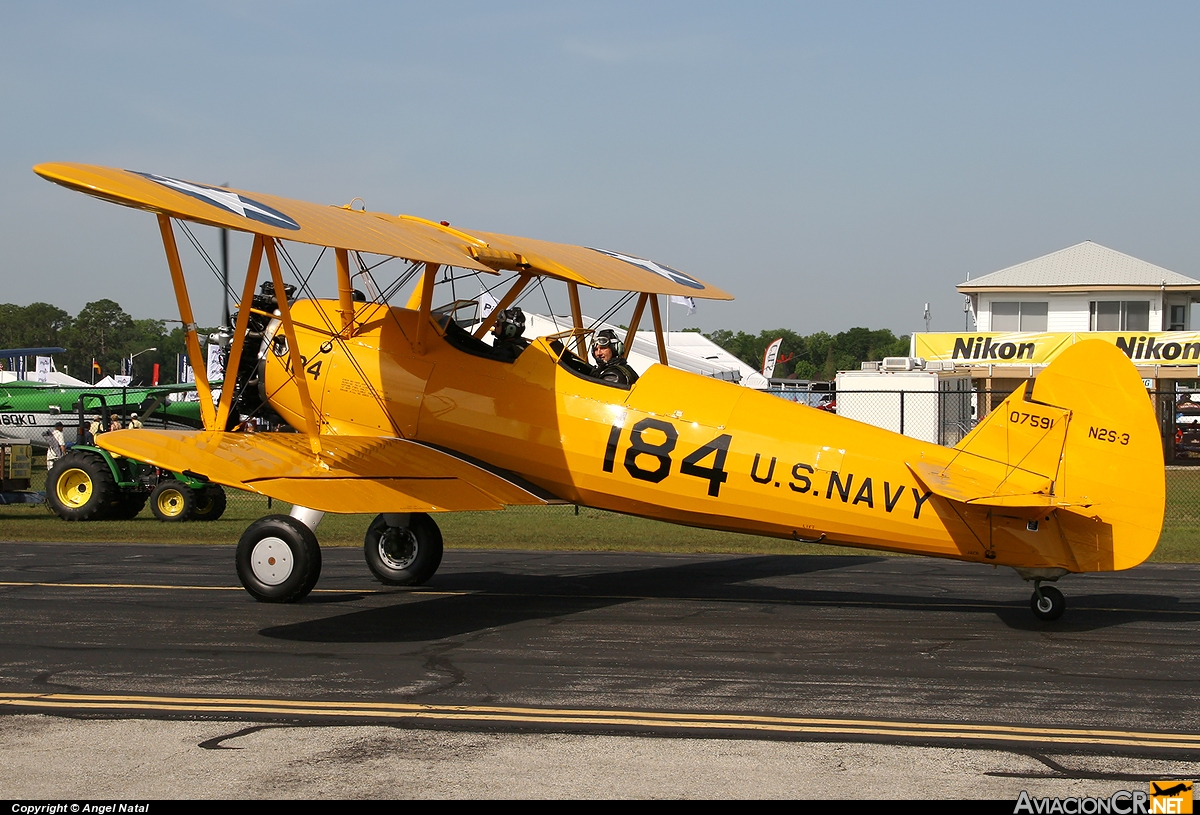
x=91, y=484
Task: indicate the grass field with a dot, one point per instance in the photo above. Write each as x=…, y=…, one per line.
x=546, y=528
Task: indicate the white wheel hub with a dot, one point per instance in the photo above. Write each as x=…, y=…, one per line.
x=271, y=561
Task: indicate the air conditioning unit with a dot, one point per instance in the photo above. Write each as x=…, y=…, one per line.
x=869, y=366
x=902, y=364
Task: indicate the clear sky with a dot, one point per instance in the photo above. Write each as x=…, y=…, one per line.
x=830, y=164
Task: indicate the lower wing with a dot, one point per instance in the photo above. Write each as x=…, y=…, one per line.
x=352, y=473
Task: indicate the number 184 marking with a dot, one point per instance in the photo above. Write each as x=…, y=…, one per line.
x=659, y=454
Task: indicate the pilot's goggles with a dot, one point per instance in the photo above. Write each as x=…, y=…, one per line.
x=604, y=342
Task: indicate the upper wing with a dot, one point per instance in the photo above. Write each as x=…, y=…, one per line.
x=601, y=268
x=354, y=473
x=374, y=232
x=270, y=215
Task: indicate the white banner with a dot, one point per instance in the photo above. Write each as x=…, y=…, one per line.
x=770, y=356
x=216, y=372
x=486, y=304
x=43, y=369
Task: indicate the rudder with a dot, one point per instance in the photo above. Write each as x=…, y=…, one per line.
x=1085, y=425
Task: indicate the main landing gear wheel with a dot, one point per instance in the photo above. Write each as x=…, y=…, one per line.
x=403, y=555
x=172, y=502
x=1047, y=603
x=278, y=559
x=81, y=487
x=209, y=503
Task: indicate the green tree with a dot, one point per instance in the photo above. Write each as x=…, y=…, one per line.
x=101, y=331
x=815, y=356
x=34, y=326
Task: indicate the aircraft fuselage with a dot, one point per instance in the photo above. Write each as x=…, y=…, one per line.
x=675, y=446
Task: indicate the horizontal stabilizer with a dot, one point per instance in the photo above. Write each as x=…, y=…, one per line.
x=959, y=482
x=1011, y=458
x=354, y=474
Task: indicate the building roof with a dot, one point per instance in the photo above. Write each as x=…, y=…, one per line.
x=1084, y=264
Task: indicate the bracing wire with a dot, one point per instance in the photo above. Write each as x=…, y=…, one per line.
x=612, y=310
x=207, y=260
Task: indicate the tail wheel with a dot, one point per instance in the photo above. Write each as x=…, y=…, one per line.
x=171, y=501
x=403, y=555
x=81, y=487
x=209, y=503
x=278, y=559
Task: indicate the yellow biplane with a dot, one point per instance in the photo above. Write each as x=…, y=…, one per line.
x=403, y=412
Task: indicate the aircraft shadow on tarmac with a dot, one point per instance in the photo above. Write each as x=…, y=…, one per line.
x=494, y=599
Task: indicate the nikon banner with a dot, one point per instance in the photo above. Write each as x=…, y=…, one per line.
x=1144, y=348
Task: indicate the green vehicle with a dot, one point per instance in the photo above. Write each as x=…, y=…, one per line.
x=91, y=484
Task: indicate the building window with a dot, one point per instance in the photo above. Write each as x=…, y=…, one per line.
x=1120, y=315
x=1013, y=316
x=1178, y=318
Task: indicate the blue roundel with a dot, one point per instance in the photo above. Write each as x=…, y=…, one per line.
x=227, y=200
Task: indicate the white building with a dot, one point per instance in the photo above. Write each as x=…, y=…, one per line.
x=1085, y=287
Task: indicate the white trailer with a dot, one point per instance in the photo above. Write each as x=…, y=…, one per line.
x=928, y=401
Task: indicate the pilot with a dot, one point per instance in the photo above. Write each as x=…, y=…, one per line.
x=508, y=343
x=609, y=353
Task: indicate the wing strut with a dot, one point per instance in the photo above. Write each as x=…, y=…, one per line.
x=425, y=314
x=658, y=329
x=312, y=429
x=345, y=292
x=239, y=333
x=577, y=318
x=505, y=302
x=191, y=335
x=631, y=334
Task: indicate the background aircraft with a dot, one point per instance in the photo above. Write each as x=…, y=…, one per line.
x=29, y=410
x=401, y=411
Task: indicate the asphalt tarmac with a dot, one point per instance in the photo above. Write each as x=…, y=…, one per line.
x=138, y=670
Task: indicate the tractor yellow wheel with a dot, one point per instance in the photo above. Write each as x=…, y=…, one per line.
x=81, y=487
x=74, y=488
x=171, y=501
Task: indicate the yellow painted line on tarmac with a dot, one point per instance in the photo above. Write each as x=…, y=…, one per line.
x=749, y=724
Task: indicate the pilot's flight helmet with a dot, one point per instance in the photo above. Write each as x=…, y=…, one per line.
x=510, y=324
x=606, y=338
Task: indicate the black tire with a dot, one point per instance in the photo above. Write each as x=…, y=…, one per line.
x=278, y=559
x=403, y=555
x=129, y=506
x=172, y=502
x=81, y=487
x=208, y=503
x=1050, y=605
